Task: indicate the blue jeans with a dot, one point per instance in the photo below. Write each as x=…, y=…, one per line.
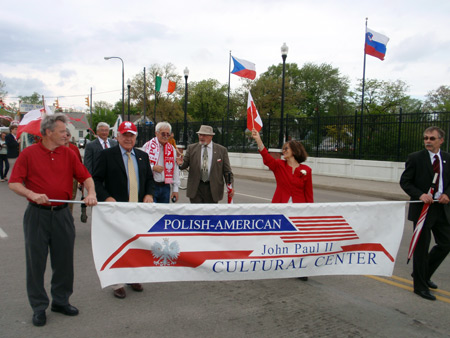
x=161, y=193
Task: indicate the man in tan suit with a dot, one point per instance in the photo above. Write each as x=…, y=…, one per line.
x=209, y=166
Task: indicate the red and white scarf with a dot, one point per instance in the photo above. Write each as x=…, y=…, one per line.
x=152, y=148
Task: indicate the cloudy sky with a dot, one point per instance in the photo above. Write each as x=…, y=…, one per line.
x=57, y=48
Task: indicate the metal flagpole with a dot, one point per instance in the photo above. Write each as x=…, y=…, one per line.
x=145, y=96
x=362, y=99
x=228, y=104
x=154, y=113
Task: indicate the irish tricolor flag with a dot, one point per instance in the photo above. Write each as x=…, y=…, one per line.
x=164, y=85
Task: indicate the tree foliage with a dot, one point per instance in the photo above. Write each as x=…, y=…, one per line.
x=167, y=104
x=34, y=98
x=207, y=100
x=438, y=100
x=3, y=91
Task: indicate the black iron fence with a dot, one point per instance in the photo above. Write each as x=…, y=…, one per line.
x=389, y=137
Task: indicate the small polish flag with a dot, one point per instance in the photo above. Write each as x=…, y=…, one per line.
x=253, y=119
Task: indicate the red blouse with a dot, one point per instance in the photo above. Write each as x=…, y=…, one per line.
x=296, y=185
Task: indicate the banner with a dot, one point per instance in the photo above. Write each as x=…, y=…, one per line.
x=141, y=243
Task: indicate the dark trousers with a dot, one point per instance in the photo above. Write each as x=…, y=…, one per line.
x=44, y=230
x=4, y=168
x=425, y=262
x=203, y=194
x=161, y=193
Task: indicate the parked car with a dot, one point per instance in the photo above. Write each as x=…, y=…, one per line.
x=81, y=143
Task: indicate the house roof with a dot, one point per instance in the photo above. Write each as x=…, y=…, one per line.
x=78, y=120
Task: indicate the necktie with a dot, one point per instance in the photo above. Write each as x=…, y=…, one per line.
x=437, y=170
x=133, y=196
x=106, y=145
x=205, y=175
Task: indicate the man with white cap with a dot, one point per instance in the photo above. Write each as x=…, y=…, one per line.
x=209, y=168
x=123, y=174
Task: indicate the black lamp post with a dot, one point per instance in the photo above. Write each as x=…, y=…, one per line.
x=284, y=52
x=129, y=87
x=123, y=84
x=186, y=74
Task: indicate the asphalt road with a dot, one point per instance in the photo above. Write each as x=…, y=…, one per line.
x=325, y=306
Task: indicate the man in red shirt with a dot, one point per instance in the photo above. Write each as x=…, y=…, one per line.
x=44, y=172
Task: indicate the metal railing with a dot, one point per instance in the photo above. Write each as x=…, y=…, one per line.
x=389, y=137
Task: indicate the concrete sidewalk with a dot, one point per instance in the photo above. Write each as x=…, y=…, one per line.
x=385, y=190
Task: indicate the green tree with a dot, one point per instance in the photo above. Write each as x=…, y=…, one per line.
x=383, y=97
x=438, y=100
x=167, y=104
x=208, y=100
x=3, y=92
x=34, y=98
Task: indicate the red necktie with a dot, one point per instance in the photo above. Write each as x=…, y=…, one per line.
x=437, y=169
x=106, y=145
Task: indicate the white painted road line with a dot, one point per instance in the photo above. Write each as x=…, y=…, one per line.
x=3, y=234
x=261, y=198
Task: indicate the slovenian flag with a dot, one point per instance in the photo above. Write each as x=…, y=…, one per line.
x=253, y=118
x=375, y=44
x=164, y=85
x=244, y=68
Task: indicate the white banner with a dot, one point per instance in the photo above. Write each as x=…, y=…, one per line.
x=141, y=243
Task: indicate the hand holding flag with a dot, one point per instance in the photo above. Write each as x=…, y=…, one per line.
x=253, y=118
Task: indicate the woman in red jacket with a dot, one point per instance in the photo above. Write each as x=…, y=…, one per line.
x=294, y=181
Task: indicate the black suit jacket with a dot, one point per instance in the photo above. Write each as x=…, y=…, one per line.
x=110, y=175
x=418, y=176
x=92, y=153
x=12, y=146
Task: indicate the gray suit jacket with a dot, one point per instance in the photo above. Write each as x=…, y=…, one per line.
x=92, y=153
x=220, y=169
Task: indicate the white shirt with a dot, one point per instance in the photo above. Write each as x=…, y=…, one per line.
x=159, y=177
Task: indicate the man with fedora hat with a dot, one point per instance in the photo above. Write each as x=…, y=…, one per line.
x=209, y=167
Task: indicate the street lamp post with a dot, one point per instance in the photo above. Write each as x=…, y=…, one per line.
x=186, y=74
x=129, y=87
x=284, y=52
x=123, y=84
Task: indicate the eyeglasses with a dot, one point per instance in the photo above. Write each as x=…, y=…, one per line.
x=164, y=134
x=431, y=138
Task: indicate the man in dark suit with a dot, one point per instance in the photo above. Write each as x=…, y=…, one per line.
x=93, y=149
x=209, y=165
x=12, y=144
x=123, y=174
x=420, y=168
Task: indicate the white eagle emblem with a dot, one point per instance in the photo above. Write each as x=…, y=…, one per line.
x=165, y=254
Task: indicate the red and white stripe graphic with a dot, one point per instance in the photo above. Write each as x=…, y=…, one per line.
x=320, y=229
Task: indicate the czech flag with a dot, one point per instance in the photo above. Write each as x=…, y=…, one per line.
x=375, y=44
x=244, y=68
x=253, y=119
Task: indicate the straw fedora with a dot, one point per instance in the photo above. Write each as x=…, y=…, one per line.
x=206, y=130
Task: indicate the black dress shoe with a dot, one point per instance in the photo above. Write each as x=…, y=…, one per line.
x=67, y=310
x=431, y=285
x=39, y=318
x=303, y=278
x=425, y=294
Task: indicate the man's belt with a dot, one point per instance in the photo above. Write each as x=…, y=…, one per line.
x=161, y=184
x=49, y=207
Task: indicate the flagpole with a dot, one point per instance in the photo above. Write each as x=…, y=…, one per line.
x=154, y=113
x=362, y=96
x=145, y=96
x=228, y=104
x=43, y=103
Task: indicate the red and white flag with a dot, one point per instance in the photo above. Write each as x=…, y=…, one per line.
x=253, y=119
x=31, y=122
